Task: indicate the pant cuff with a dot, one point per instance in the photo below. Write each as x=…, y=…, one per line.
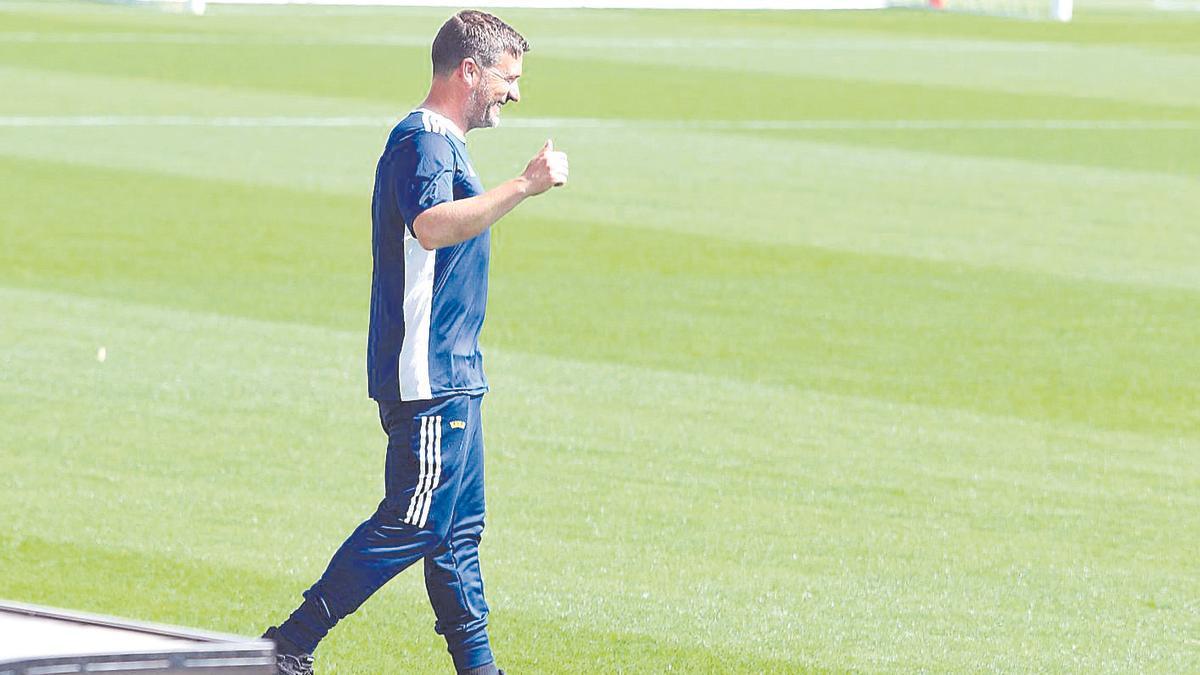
x=471, y=651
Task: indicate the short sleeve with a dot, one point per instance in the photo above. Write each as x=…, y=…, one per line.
x=424, y=176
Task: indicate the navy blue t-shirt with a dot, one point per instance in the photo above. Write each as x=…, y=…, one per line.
x=426, y=306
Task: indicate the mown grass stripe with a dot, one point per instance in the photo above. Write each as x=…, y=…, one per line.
x=883, y=325
x=21, y=121
x=574, y=43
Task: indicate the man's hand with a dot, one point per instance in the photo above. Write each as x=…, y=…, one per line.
x=459, y=220
x=547, y=169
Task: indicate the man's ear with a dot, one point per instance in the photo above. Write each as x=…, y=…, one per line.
x=469, y=71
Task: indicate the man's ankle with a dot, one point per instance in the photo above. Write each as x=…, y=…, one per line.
x=282, y=644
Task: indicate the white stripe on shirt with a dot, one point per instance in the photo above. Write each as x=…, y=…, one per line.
x=419, y=265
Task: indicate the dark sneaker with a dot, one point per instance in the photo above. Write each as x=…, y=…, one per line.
x=288, y=659
x=288, y=664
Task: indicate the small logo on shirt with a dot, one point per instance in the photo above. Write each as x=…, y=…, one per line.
x=458, y=424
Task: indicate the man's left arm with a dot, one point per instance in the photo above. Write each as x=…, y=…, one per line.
x=456, y=221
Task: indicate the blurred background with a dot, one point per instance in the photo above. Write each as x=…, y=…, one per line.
x=859, y=341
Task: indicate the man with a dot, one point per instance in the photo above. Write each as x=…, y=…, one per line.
x=431, y=220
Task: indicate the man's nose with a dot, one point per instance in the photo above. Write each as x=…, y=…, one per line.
x=514, y=93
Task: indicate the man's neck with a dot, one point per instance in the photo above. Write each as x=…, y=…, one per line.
x=448, y=109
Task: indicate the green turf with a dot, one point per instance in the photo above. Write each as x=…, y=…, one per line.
x=764, y=401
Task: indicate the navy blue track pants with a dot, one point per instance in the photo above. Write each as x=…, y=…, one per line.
x=432, y=511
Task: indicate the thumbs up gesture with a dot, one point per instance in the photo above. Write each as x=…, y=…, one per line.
x=547, y=169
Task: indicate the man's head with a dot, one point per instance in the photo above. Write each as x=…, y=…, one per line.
x=480, y=55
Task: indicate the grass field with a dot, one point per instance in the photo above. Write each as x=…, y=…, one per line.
x=859, y=341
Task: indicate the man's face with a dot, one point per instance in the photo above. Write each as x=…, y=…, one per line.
x=496, y=86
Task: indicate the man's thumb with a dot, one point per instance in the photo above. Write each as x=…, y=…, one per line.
x=549, y=146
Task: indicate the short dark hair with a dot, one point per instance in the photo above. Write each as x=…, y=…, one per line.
x=472, y=34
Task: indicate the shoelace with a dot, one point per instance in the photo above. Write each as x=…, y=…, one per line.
x=302, y=664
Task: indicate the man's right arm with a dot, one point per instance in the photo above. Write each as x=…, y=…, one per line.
x=455, y=221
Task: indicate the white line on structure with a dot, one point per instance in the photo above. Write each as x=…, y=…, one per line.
x=52, y=121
